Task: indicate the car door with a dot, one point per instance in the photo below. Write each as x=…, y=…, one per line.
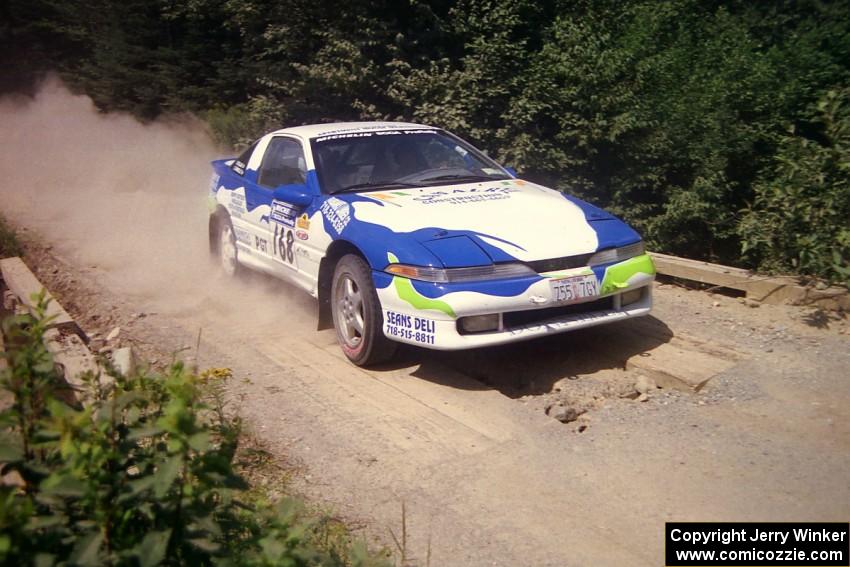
x=282, y=163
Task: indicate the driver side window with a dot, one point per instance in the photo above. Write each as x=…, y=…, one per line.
x=283, y=163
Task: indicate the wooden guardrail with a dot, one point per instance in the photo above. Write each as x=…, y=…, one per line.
x=63, y=338
x=23, y=284
x=767, y=289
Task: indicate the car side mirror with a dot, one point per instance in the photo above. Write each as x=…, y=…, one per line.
x=295, y=194
x=512, y=171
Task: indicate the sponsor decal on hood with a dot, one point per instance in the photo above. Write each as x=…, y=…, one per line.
x=525, y=221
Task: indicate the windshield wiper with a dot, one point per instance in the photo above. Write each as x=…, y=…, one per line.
x=470, y=177
x=371, y=185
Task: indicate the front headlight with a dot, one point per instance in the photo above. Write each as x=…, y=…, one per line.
x=451, y=275
x=616, y=254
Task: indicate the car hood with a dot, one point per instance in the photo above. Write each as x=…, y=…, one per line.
x=479, y=223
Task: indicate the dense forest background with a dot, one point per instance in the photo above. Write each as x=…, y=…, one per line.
x=720, y=129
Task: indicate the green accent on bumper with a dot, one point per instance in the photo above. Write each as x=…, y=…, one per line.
x=211, y=203
x=617, y=276
x=405, y=290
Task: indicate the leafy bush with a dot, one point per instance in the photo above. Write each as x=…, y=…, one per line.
x=800, y=219
x=142, y=475
x=664, y=112
x=239, y=125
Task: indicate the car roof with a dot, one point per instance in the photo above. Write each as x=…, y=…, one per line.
x=317, y=130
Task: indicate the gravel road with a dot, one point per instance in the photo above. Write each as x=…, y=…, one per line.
x=487, y=478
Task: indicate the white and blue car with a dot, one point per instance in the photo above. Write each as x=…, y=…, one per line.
x=406, y=233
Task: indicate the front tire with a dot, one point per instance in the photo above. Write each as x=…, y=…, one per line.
x=357, y=315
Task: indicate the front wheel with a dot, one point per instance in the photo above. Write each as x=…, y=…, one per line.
x=357, y=313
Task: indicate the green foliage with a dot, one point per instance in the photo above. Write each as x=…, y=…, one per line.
x=239, y=125
x=9, y=244
x=470, y=91
x=664, y=112
x=800, y=219
x=142, y=475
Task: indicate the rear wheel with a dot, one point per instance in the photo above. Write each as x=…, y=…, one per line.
x=357, y=313
x=227, y=255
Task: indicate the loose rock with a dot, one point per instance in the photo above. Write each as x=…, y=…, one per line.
x=10, y=300
x=113, y=334
x=123, y=360
x=644, y=385
x=565, y=414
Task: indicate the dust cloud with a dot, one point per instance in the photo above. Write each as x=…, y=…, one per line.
x=126, y=200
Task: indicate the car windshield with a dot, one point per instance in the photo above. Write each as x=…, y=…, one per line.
x=362, y=161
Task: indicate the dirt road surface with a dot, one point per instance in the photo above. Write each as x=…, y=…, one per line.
x=464, y=439
x=486, y=476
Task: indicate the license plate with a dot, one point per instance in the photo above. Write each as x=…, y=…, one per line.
x=574, y=288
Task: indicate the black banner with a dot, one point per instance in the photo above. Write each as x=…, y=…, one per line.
x=692, y=544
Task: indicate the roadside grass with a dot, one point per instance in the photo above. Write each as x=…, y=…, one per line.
x=153, y=469
x=9, y=244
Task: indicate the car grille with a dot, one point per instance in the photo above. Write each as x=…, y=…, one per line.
x=514, y=319
x=555, y=264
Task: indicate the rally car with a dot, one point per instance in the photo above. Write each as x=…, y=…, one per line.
x=406, y=233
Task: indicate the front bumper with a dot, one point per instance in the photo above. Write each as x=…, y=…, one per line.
x=427, y=314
